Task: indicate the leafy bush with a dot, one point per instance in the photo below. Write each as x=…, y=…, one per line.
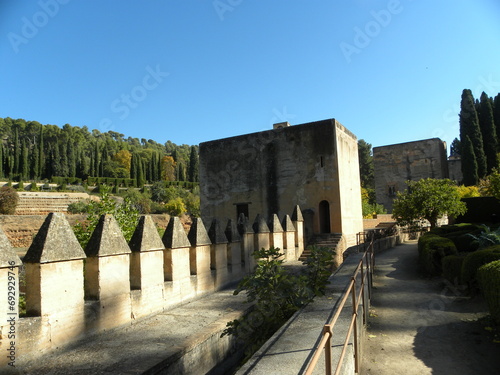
x=34, y=187
x=474, y=260
x=487, y=237
x=141, y=201
x=125, y=214
x=79, y=207
x=175, y=207
x=277, y=294
x=488, y=276
x=8, y=200
x=452, y=267
x=432, y=249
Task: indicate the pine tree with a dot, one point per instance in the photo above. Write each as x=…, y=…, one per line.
x=17, y=152
x=469, y=164
x=455, y=147
x=25, y=166
x=469, y=127
x=488, y=133
x=41, y=155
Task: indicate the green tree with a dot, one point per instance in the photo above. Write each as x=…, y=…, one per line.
x=469, y=127
x=427, y=199
x=193, y=165
x=496, y=117
x=366, y=171
x=490, y=186
x=455, y=147
x=488, y=132
x=469, y=164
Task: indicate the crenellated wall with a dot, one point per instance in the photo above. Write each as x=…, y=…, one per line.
x=72, y=293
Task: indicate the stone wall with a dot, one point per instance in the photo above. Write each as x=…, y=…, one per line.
x=42, y=203
x=396, y=164
x=313, y=165
x=72, y=293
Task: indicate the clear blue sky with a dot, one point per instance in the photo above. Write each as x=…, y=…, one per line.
x=192, y=71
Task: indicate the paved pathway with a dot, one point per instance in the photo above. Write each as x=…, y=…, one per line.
x=424, y=326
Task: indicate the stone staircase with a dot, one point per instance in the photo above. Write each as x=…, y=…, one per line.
x=329, y=240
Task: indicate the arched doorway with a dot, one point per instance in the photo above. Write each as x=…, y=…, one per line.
x=324, y=217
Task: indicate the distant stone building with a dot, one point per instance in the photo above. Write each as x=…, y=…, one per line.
x=455, y=168
x=398, y=163
x=313, y=165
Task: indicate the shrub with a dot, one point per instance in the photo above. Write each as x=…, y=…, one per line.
x=34, y=187
x=488, y=276
x=175, y=207
x=474, y=260
x=487, y=237
x=452, y=267
x=8, y=200
x=80, y=207
x=432, y=249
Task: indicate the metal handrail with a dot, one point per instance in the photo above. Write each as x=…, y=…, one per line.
x=325, y=342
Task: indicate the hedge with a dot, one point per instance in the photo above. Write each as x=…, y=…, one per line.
x=452, y=267
x=488, y=276
x=432, y=249
x=475, y=260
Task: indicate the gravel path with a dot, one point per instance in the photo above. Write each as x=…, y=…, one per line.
x=425, y=326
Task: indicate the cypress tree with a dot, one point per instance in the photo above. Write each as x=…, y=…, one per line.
x=17, y=152
x=25, y=166
x=41, y=155
x=193, y=165
x=488, y=132
x=469, y=164
x=469, y=127
x=1, y=160
x=496, y=117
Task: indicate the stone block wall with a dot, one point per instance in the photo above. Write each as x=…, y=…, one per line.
x=72, y=293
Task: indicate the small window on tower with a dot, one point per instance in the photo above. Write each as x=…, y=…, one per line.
x=392, y=190
x=321, y=163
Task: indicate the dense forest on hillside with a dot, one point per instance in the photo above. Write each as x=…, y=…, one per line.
x=32, y=151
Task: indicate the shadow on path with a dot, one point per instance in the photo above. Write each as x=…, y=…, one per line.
x=421, y=326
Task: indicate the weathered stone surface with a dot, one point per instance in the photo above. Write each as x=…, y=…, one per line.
x=398, y=163
x=198, y=235
x=107, y=239
x=260, y=225
x=7, y=253
x=297, y=214
x=216, y=233
x=244, y=226
x=275, y=225
x=231, y=232
x=145, y=237
x=55, y=241
x=287, y=224
x=175, y=236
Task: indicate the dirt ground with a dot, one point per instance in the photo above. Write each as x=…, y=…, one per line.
x=423, y=326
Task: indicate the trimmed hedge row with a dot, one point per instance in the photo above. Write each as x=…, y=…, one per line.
x=452, y=267
x=475, y=260
x=489, y=282
x=432, y=249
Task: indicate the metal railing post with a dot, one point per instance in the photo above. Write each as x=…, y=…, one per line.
x=355, y=315
x=327, y=330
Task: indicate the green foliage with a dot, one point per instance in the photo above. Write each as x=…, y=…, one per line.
x=79, y=207
x=432, y=249
x=175, y=207
x=427, y=199
x=452, y=267
x=34, y=187
x=490, y=186
x=140, y=200
x=488, y=131
x=469, y=128
x=277, y=293
x=474, y=260
x=125, y=214
x=37, y=151
x=8, y=200
x=488, y=276
x=487, y=237
x=366, y=168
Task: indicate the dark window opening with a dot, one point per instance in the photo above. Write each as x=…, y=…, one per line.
x=242, y=208
x=324, y=217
